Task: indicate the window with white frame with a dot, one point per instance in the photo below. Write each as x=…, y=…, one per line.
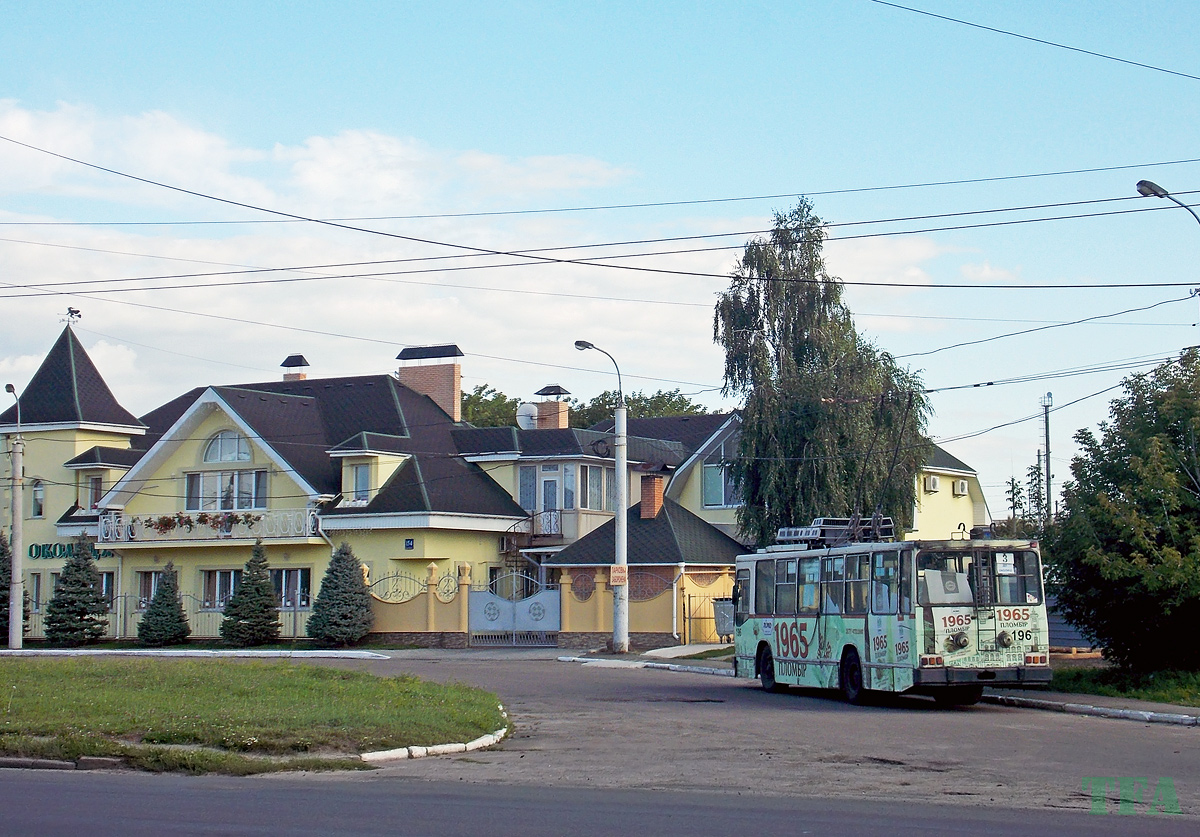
x=610, y=495
x=568, y=487
x=292, y=587
x=147, y=581
x=362, y=482
x=227, y=446
x=591, y=487
x=38, y=506
x=527, y=487
x=219, y=585
x=719, y=488
x=35, y=592
x=95, y=490
x=226, y=490
x=108, y=583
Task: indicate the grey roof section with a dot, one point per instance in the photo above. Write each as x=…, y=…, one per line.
x=429, y=352
x=68, y=389
x=939, y=458
x=675, y=536
x=481, y=441
x=303, y=421
x=105, y=457
x=689, y=431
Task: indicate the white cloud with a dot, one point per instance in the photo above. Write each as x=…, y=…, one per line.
x=986, y=273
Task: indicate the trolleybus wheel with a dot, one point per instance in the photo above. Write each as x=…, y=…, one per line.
x=850, y=677
x=958, y=695
x=766, y=671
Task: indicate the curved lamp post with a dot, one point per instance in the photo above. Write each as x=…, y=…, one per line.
x=1150, y=189
x=620, y=590
x=16, y=587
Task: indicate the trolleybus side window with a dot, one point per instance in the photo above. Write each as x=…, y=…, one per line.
x=809, y=578
x=858, y=579
x=1017, y=578
x=884, y=580
x=833, y=575
x=785, y=586
x=764, y=587
x=741, y=596
x=906, y=567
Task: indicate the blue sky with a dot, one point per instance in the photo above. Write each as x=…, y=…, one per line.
x=388, y=109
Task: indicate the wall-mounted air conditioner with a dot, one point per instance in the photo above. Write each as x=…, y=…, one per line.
x=960, y=488
x=932, y=483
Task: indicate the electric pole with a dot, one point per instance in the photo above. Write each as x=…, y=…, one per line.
x=1047, y=403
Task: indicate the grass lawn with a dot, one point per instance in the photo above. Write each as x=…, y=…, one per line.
x=226, y=716
x=1179, y=687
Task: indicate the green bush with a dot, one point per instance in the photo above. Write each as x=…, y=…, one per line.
x=164, y=622
x=342, y=612
x=77, y=613
x=251, y=617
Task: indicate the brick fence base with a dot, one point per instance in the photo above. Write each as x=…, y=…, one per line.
x=420, y=639
x=581, y=640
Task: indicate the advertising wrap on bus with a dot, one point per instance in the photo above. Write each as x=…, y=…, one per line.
x=942, y=618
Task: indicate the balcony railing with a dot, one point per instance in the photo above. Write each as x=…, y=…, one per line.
x=118, y=527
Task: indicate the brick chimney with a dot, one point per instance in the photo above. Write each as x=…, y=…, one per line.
x=440, y=381
x=652, y=495
x=552, y=415
x=294, y=367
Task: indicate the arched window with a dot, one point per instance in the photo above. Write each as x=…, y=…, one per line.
x=227, y=446
x=39, y=499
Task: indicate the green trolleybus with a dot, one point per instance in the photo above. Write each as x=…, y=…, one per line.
x=940, y=618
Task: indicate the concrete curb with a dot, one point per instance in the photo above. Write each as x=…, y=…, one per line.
x=1095, y=711
x=602, y=663
x=146, y=652
x=383, y=757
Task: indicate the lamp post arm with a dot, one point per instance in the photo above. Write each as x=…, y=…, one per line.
x=1181, y=203
x=620, y=388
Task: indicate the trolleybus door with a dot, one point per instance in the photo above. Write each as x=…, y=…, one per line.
x=882, y=634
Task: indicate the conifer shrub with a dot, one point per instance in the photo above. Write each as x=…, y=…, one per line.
x=77, y=613
x=5, y=579
x=251, y=617
x=342, y=613
x=164, y=622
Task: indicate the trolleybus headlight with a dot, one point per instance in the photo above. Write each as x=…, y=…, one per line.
x=1004, y=640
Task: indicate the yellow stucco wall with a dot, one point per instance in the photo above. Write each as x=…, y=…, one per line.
x=940, y=513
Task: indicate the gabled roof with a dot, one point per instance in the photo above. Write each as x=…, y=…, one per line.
x=67, y=389
x=105, y=457
x=689, y=431
x=674, y=536
x=940, y=459
x=482, y=441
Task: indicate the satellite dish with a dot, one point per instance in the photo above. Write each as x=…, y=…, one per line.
x=527, y=416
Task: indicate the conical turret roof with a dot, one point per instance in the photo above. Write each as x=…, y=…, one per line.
x=68, y=389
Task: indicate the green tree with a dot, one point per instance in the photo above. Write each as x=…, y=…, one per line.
x=77, y=613
x=5, y=580
x=251, y=616
x=486, y=406
x=342, y=612
x=1125, y=548
x=164, y=622
x=831, y=426
x=637, y=405
x=1036, y=492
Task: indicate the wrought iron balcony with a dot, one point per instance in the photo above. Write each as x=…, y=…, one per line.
x=274, y=524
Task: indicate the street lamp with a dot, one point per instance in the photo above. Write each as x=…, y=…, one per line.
x=16, y=586
x=619, y=579
x=1150, y=189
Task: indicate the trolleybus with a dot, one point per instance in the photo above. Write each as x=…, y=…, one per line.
x=942, y=618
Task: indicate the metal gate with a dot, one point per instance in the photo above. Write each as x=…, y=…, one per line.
x=514, y=609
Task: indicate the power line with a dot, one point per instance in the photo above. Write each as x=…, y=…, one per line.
x=599, y=207
x=1038, y=40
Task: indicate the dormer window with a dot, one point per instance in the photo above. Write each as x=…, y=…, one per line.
x=95, y=490
x=362, y=483
x=227, y=446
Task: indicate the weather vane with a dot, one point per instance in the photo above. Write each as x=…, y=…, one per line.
x=73, y=315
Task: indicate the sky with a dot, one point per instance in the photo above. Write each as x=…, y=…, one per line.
x=428, y=135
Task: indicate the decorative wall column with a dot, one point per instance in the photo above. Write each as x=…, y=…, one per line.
x=431, y=597
x=464, y=590
x=564, y=601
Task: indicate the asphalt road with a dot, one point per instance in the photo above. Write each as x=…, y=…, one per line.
x=602, y=751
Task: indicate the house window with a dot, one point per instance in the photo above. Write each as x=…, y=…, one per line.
x=568, y=487
x=147, y=587
x=292, y=587
x=227, y=446
x=219, y=585
x=610, y=496
x=527, y=487
x=39, y=499
x=362, y=483
x=226, y=490
x=591, y=487
x=719, y=488
x=107, y=588
x=95, y=491
x=35, y=592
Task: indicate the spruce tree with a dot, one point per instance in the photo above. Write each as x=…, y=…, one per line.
x=77, y=613
x=164, y=622
x=342, y=612
x=5, y=578
x=251, y=615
